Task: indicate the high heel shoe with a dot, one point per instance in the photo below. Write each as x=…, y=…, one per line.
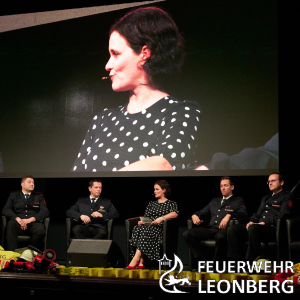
x=134, y=267
x=140, y=267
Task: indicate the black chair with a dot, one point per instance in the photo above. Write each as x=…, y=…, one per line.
x=209, y=244
x=293, y=236
x=168, y=242
x=24, y=239
x=70, y=222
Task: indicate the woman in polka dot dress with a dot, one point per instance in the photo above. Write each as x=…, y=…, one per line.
x=154, y=131
x=145, y=239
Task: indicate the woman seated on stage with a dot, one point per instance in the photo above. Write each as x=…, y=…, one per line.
x=145, y=239
x=154, y=130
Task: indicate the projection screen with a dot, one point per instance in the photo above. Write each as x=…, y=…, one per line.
x=51, y=91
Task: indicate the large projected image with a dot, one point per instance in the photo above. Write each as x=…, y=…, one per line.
x=191, y=89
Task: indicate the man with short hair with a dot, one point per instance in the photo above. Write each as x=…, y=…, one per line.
x=214, y=220
x=26, y=211
x=262, y=225
x=91, y=213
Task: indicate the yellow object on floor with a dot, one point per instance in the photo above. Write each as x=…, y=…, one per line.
x=8, y=255
x=154, y=274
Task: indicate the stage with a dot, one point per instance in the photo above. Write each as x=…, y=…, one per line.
x=40, y=285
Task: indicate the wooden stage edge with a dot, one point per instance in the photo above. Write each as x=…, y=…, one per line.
x=40, y=285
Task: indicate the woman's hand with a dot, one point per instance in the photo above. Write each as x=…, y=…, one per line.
x=202, y=167
x=157, y=221
x=141, y=223
x=151, y=163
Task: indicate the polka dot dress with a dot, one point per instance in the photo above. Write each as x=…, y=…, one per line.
x=116, y=138
x=146, y=238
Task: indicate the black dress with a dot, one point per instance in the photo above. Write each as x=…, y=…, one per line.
x=116, y=138
x=146, y=238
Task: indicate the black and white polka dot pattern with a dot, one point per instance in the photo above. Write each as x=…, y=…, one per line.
x=116, y=138
x=146, y=238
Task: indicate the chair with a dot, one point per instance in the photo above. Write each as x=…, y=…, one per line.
x=24, y=239
x=70, y=222
x=209, y=244
x=168, y=242
x=293, y=236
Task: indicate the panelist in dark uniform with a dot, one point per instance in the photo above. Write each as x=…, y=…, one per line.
x=262, y=225
x=214, y=220
x=91, y=213
x=26, y=211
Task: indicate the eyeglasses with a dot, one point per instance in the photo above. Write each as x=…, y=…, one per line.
x=271, y=180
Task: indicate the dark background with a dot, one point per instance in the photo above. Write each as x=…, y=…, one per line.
x=131, y=194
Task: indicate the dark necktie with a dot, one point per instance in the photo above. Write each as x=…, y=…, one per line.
x=26, y=197
x=93, y=202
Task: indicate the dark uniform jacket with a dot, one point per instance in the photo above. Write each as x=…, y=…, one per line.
x=216, y=212
x=84, y=207
x=16, y=206
x=273, y=208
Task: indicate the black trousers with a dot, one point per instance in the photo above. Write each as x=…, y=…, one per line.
x=238, y=235
x=194, y=236
x=35, y=230
x=89, y=232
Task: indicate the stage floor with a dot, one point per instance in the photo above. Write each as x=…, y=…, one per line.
x=41, y=285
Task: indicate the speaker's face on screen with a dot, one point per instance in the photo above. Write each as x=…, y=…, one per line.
x=230, y=71
x=124, y=65
x=96, y=189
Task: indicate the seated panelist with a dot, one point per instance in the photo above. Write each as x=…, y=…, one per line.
x=278, y=204
x=213, y=220
x=145, y=241
x=25, y=210
x=91, y=214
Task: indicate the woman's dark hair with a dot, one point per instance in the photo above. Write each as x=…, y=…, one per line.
x=164, y=185
x=153, y=27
